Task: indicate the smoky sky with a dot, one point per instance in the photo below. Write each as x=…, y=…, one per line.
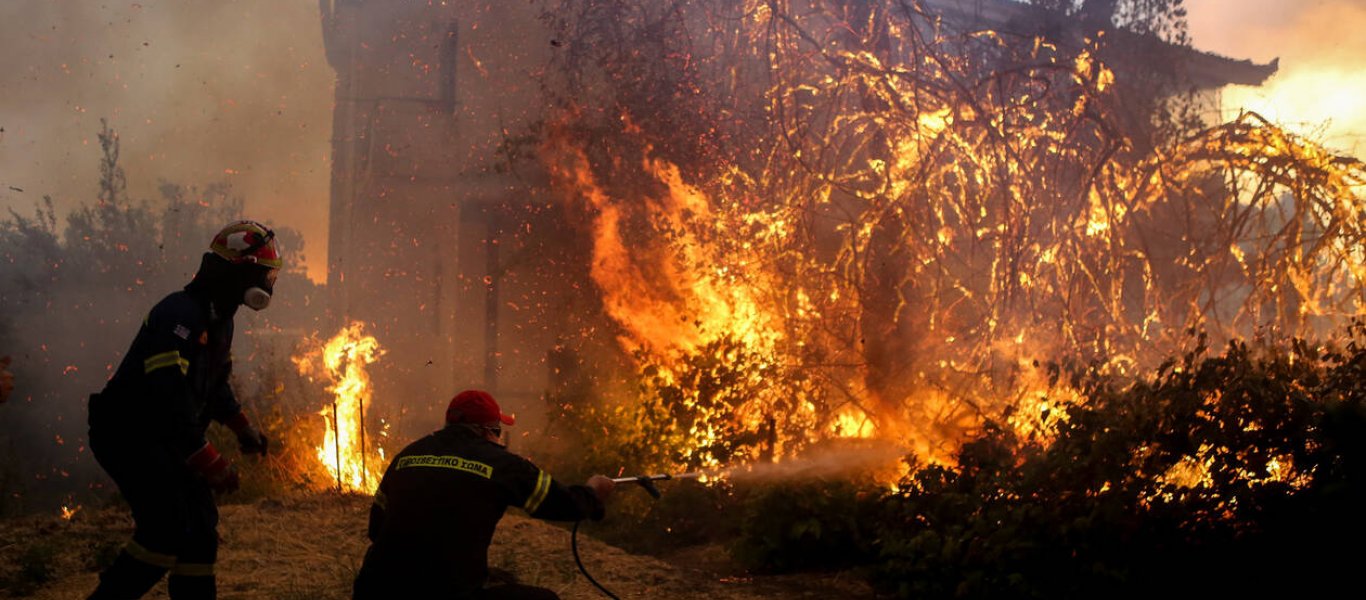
x=239, y=91
x=1322, y=53
x=199, y=91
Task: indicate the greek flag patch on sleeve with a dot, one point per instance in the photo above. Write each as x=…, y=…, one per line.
x=182, y=331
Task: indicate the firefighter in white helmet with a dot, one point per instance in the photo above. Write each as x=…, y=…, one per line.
x=147, y=428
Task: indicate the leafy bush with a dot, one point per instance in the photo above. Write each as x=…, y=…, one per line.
x=808, y=525
x=1231, y=473
x=686, y=514
x=1240, y=472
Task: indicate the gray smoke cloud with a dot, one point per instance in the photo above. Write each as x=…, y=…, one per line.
x=200, y=91
x=1320, y=48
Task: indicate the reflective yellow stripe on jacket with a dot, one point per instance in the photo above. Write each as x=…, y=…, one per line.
x=538, y=495
x=166, y=359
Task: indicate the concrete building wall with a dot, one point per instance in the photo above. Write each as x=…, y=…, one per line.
x=427, y=93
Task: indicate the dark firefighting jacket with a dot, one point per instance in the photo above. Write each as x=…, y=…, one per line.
x=438, y=504
x=173, y=381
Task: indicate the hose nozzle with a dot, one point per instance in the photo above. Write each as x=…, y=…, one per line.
x=646, y=481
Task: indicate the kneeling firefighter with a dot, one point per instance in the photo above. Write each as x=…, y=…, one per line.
x=147, y=428
x=441, y=498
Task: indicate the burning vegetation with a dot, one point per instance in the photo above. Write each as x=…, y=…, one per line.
x=963, y=275
x=1001, y=250
x=354, y=461
x=814, y=220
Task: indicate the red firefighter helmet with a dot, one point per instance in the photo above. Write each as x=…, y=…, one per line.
x=247, y=242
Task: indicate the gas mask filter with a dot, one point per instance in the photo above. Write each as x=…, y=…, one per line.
x=257, y=294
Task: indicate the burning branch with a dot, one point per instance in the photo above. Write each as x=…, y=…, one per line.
x=926, y=207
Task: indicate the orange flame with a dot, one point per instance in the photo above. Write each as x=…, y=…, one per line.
x=853, y=423
x=900, y=261
x=681, y=296
x=352, y=458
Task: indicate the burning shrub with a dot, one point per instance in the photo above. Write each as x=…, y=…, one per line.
x=874, y=217
x=907, y=208
x=1232, y=473
x=725, y=402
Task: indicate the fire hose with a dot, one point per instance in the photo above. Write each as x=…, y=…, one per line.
x=644, y=481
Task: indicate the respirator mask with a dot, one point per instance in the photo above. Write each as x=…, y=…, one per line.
x=260, y=283
x=257, y=294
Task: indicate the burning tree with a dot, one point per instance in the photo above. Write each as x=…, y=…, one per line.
x=811, y=215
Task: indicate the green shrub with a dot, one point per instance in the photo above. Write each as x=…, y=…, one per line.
x=686, y=514
x=815, y=524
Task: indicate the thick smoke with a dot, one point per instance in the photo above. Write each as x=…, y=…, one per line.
x=203, y=92
x=73, y=292
x=1320, y=46
x=200, y=90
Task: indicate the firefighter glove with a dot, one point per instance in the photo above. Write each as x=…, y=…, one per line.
x=249, y=439
x=252, y=441
x=215, y=469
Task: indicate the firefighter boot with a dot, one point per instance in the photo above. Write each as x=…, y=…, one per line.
x=128, y=578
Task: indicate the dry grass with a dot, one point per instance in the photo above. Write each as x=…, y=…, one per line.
x=310, y=548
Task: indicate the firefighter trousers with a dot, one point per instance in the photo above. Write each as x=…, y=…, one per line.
x=175, y=524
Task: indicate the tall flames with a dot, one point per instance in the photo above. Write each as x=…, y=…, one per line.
x=350, y=452
x=812, y=222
